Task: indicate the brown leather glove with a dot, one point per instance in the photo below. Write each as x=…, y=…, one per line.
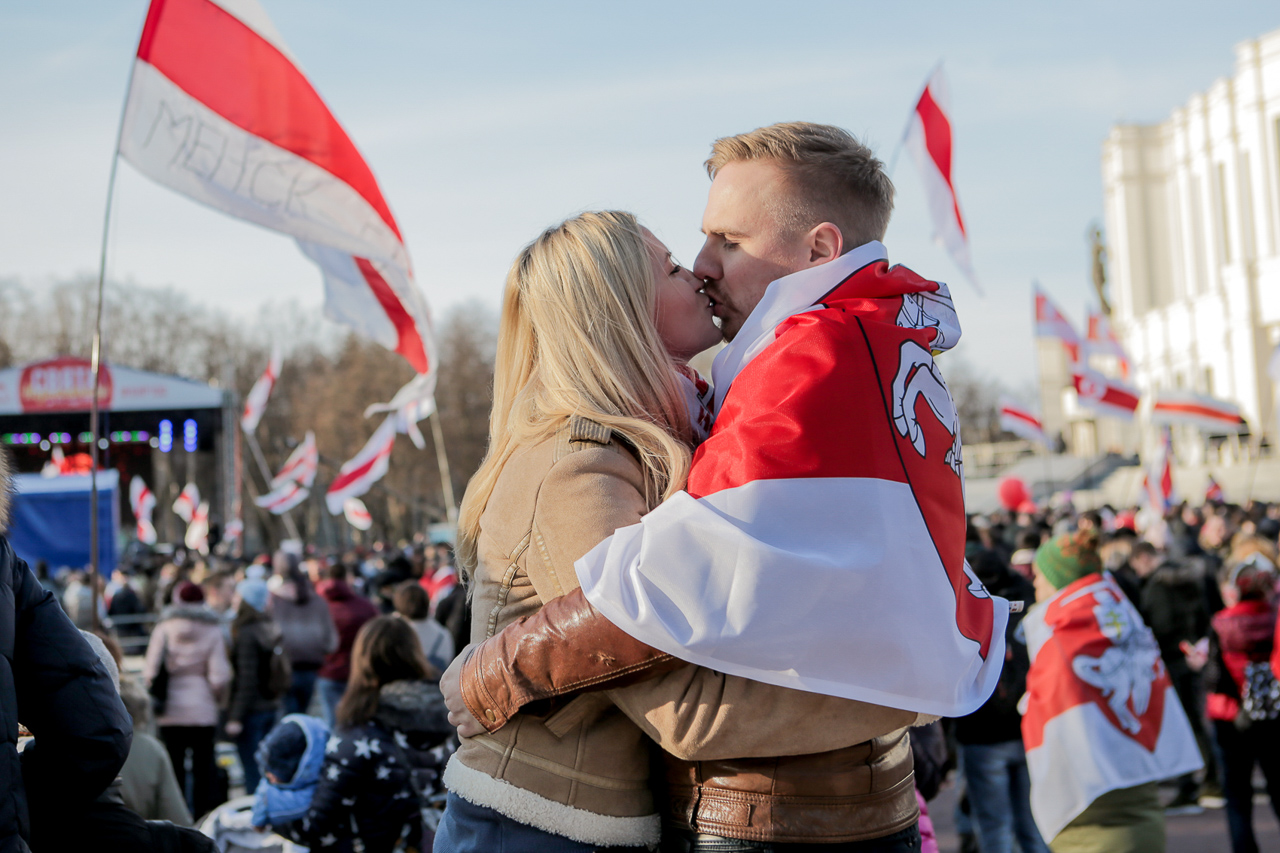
x=567, y=646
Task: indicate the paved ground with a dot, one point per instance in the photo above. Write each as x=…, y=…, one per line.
x=1202, y=833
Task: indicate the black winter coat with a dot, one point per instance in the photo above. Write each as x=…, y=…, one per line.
x=1172, y=603
x=373, y=773
x=51, y=681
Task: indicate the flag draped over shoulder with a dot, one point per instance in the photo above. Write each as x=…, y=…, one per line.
x=820, y=544
x=1101, y=713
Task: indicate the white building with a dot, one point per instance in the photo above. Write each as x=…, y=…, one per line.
x=1193, y=227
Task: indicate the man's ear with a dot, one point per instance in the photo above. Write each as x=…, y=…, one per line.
x=825, y=244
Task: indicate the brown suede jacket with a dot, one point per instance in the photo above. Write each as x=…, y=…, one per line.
x=741, y=759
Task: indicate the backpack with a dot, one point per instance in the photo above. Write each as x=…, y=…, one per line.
x=275, y=673
x=1260, y=698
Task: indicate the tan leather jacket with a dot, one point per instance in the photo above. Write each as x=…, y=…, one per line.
x=744, y=759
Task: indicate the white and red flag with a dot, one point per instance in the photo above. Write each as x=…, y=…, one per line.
x=1103, y=394
x=1022, y=422
x=255, y=405
x=1052, y=323
x=187, y=503
x=1213, y=491
x=283, y=497
x=367, y=467
x=233, y=531
x=931, y=142
x=197, y=537
x=1101, y=713
x=142, y=502
x=1100, y=338
x=357, y=514
x=219, y=110
x=826, y=507
x=1186, y=407
x=301, y=466
x=1158, y=481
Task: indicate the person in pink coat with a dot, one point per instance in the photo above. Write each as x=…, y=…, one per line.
x=188, y=644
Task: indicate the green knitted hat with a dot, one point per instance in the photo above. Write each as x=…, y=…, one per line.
x=1065, y=559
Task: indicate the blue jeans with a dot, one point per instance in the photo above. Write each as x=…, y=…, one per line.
x=331, y=692
x=297, y=699
x=1000, y=797
x=256, y=727
x=468, y=828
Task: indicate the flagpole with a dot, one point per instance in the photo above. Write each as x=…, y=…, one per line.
x=442, y=459
x=266, y=476
x=1035, y=352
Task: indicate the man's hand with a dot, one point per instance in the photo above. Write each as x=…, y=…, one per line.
x=451, y=687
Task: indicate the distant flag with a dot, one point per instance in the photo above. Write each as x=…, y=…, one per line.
x=364, y=469
x=197, y=537
x=930, y=140
x=1159, y=478
x=256, y=403
x=187, y=503
x=1213, y=492
x=234, y=530
x=142, y=502
x=219, y=110
x=356, y=514
x=283, y=498
x=1186, y=407
x=1101, y=338
x=1052, y=323
x=1102, y=394
x=1022, y=422
x=301, y=465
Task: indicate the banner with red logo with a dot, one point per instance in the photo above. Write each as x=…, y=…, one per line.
x=1101, y=713
x=62, y=385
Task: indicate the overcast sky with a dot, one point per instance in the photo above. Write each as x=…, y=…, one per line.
x=485, y=122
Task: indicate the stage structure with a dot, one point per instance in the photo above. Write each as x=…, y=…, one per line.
x=166, y=429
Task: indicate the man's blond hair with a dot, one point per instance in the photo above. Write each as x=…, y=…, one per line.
x=831, y=176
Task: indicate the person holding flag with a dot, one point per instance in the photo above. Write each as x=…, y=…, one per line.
x=829, y=487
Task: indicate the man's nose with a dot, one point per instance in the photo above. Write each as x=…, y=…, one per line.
x=707, y=264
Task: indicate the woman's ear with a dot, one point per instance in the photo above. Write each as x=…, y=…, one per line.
x=825, y=243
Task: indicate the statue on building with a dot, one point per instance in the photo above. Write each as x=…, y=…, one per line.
x=1098, y=251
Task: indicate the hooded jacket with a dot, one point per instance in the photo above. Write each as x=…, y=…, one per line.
x=188, y=639
x=349, y=612
x=277, y=803
x=51, y=681
x=1240, y=635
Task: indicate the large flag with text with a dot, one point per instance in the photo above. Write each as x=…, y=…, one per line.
x=931, y=142
x=820, y=544
x=219, y=110
x=1100, y=711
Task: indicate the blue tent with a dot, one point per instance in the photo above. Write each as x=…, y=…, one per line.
x=50, y=520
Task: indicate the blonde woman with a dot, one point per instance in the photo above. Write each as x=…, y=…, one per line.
x=593, y=419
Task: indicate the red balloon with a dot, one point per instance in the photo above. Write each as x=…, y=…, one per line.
x=1012, y=492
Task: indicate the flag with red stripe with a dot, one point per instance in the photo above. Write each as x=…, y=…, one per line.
x=1213, y=491
x=1022, y=422
x=820, y=544
x=219, y=110
x=142, y=502
x=255, y=404
x=930, y=139
x=1101, y=339
x=1101, y=713
x=301, y=465
x=1172, y=406
x=187, y=501
x=1050, y=322
x=1103, y=394
x=357, y=515
x=283, y=497
x=364, y=469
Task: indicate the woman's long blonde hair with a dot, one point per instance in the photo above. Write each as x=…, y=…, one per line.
x=577, y=338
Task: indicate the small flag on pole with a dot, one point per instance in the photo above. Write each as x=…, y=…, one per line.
x=142, y=502
x=1022, y=422
x=1052, y=323
x=188, y=501
x=364, y=469
x=256, y=403
x=356, y=514
x=301, y=465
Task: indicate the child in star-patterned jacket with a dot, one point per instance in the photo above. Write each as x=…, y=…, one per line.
x=368, y=798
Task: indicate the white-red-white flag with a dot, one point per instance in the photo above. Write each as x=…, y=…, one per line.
x=256, y=403
x=142, y=502
x=219, y=110
x=1100, y=338
x=826, y=507
x=364, y=469
x=187, y=503
x=1022, y=422
x=1103, y=394
x=1158, y=481
x=930, y=140
x=301, y=465
x=233, y=531
x=1101, y=713
x=357, y=514
x=1052, y=323
x=283, y=497
x=1173, y=406
x=197, y=537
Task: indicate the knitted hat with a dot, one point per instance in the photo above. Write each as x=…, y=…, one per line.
x=254, y=593
x=100, y=649
x=188, y=593
x=1067, y=558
